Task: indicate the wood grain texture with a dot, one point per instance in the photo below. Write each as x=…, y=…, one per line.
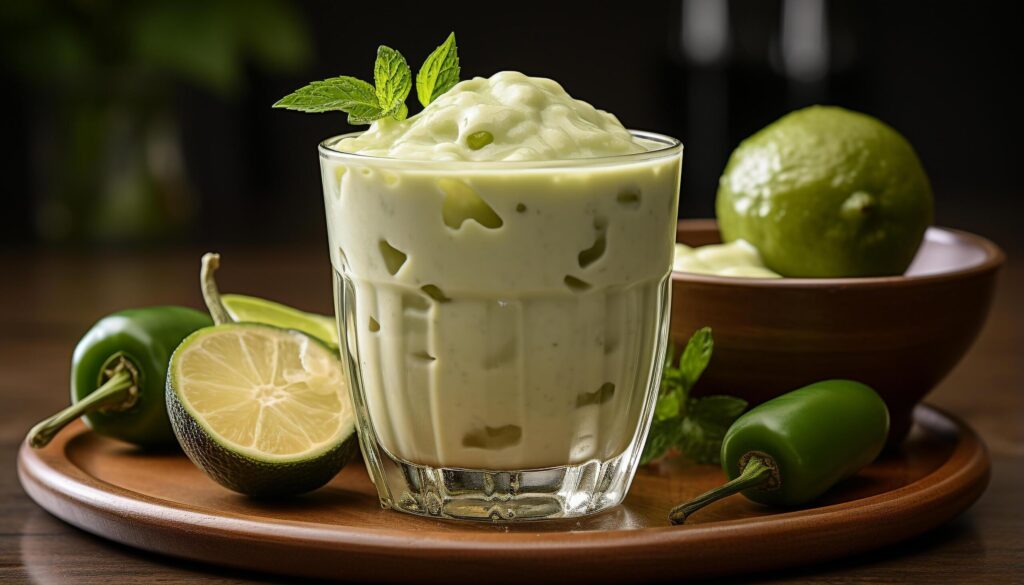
x=50, y=298
x=162, y=503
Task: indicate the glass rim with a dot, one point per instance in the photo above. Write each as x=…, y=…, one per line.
x=668, y=147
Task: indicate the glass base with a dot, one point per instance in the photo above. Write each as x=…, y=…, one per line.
x=596, y=484
x=501, y=496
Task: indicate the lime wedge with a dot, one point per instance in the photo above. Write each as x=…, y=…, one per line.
x=248, y=309
x=262, y=410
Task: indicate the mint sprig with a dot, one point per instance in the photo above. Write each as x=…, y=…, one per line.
x=350, y=95
x=392, y=83
x=694, y=426
x=439, y=73
x=393, y=80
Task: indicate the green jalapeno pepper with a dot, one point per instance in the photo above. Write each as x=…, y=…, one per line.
x=793, y=448
x=118, y=373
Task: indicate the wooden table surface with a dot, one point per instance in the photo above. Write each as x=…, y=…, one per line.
x=48, y=299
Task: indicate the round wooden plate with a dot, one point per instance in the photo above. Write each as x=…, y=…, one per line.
x=162, y=503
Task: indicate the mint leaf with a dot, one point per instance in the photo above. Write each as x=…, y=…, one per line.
x=393, y=80
x=705, y=426
x=696, y=356
x=668, y=405
x=663, y=436
x=695, y=426
x=700, y=443
x=402, y=112
x=717, y=409
x=353, y=96
x=439, y=72
x=670, y=373
x=368, y=116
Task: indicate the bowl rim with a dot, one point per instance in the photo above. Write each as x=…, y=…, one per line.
x=994, y=258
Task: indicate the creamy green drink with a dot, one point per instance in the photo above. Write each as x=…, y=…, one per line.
x=502, y=265
x=504, y=318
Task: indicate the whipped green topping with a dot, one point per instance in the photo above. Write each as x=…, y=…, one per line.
x=738, y=258
x=507, y=117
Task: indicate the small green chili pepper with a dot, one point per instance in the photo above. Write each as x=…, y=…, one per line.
x=793, y=448
x=118, y=372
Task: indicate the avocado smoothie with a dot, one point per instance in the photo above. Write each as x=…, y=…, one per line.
x=502, y=265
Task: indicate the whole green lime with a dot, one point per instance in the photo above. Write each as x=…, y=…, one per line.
x=826, y=192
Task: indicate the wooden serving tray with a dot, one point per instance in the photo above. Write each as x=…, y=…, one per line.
x=162, y=503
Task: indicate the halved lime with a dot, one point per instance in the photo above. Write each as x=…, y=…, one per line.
x=244, y=308
x=262, y=410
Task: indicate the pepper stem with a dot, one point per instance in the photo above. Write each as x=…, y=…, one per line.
x=119, y=392
x=211, y=295
x=758, y=471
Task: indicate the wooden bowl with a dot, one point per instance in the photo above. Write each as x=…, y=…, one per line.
x=899, y=334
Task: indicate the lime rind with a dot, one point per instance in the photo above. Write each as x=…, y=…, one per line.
x=249, y=476
x=233, y=378
x=247, y=309
x=825, y=192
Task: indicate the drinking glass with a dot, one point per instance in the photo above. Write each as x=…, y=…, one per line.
x=503, y=324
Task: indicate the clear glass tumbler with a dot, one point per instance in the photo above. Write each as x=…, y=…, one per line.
x=503, y=324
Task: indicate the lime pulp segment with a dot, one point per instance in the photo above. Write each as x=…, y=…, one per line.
x=266, y=393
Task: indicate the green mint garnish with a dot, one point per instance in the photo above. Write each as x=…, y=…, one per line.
x=350, y=95
x=402, y=113
x=696, y=356
x=392, y=78
x=439, y=72
x=694, y=426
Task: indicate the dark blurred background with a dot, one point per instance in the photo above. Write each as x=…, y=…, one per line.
x=149, y=123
